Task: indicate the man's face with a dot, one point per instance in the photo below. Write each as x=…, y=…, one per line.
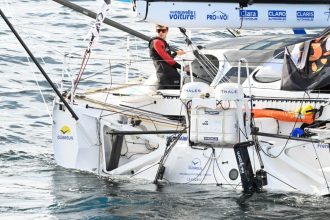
x=162, y=32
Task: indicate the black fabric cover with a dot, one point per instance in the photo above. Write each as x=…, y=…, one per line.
x=312, y=69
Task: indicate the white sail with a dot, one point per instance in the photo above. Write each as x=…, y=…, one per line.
x=230, y=14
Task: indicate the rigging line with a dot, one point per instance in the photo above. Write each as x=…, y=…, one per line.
x=215, y=178
x=200, y=55
x=141, y=171
x=280, y=180
x=39, y=66
x=107, y=96
x=39, y=88
x=132, y=116
x=318, y=159
x=40, y=91
x=197, y=54
x=129, y=110
x=208, y=168
x=206, y=63
x=22, y=30
x=81, y=71
x=223, y=176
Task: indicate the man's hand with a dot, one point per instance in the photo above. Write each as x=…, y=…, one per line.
x=187, y=70
x=180, y=52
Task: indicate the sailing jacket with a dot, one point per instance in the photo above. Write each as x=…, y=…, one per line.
x=166, y=66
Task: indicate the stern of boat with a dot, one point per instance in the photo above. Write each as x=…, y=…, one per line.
x=75, y=143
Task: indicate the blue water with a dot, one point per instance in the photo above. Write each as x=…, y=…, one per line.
x=32, y=186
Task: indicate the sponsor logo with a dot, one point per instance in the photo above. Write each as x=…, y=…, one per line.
x=208, y=112
x=65, y=133
x=205, y=123
x=251, y=15
x=240, y=162
x=305, y=15
x=328, y=14
x=323, y=145
x=210, y=138
x=182, y=15
x=195, y=164
x=276, y=15
x=194, y=90
x=65, y=130
x=217, y=15
x=229, y=91
x=183, y=138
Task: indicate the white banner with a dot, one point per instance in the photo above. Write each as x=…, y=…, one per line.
x=228, y=15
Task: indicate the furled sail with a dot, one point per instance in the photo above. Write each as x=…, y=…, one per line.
x=94, y=32
x=307, y=65
x=235, y=13
x=93, y=36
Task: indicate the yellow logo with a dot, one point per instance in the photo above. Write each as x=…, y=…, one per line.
x=66, y=130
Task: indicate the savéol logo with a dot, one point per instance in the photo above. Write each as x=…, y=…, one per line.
x=276, y=15
x=251, y=15
x=182, y=15
x=65, y=133
x=195, y=164
x=217, y=15
x=305, y=15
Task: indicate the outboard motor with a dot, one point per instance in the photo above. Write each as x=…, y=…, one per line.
x=250, y=182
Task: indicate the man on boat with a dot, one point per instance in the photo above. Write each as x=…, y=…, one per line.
x=166, y=67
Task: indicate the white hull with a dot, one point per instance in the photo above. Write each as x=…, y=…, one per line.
x=92, y=144
x=85, y=147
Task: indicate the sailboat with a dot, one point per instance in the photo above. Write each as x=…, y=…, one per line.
x=253, y=126
x=242, y=130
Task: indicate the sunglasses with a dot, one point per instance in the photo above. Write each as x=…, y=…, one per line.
x=161, y=30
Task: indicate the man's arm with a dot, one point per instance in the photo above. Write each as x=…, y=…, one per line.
x=160, y=49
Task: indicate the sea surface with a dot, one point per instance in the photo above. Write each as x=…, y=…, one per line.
x=32, y=186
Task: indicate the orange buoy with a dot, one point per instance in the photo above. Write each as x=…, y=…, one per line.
x=283, y=115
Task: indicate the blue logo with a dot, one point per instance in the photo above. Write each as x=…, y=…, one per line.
x=195, y=164
x=183, y=15
x=251, y=15
x=193, y=90
x=305, y=15
x=276, y=15
x=183, y=138
x=323, y=145
x=217, y=15
x=328, y=14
